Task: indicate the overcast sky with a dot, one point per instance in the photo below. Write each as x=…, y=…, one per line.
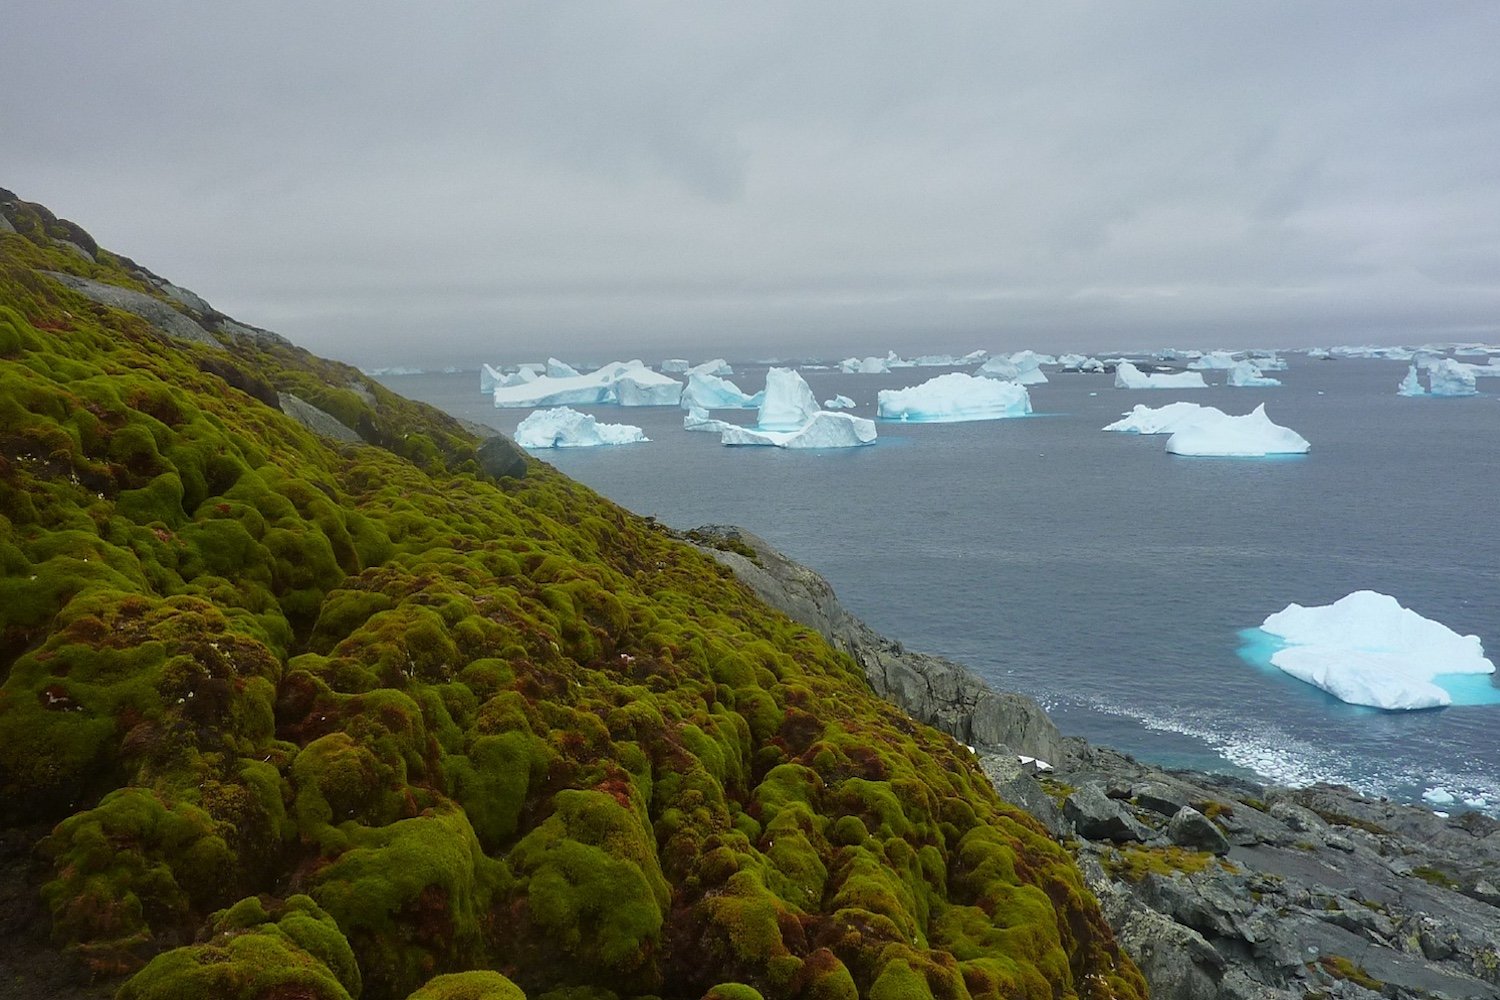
x=414, y=183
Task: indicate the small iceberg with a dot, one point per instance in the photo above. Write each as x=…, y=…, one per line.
x=710, y=392
x=1451, y=378
x=1366, y=649
x=789, y=418
x=1245, y=375
x=564, y=427
x=824, y=430
x=1169, y=419
x=838, y=403
x=698, y=419
x=1128, y=376
x=1250, y=436
x=1410, y=385
x=868, y=366
x=954, y=397
x=1214, y=361
x=675, y=366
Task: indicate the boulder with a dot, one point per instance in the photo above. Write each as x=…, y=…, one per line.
x=499, y=457
x=1190, y=828
x=316, y=420
x=1096, y=816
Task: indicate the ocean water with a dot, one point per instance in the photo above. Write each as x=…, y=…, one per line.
x=1110, y=580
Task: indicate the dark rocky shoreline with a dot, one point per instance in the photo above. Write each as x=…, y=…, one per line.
x=1216, y=886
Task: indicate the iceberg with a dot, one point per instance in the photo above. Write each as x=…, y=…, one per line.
x=560, y=369
x=697, y=419
x=1169, y=419
x=1214, y=361
x=563, y=427
x=1250, y=436
x=718, y=367
x=1366, y=649
x=1244, y=375
x=838, y=403
x=675, y=366
x=629, y=383
x=999, y=368
x=1450, y=378
x=866, y=366
x=1268, y=362
x=954, y=397
x=1128, y=376
x=788, y=403
x=709, y=392
x=1410, y=385
x=823, y=430
x=489, y=377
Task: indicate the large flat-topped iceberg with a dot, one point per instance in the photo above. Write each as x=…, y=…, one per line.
x=954, y=397
x=1128, y=376
x=1169, y=419
x=1245, y=375
x=709, y=392
x=628, y=383
x=1213, y=361
x=1366, y=649
x=823, y=430
x=563, y=427
x=1250, y=436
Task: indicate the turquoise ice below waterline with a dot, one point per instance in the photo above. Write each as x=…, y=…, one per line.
x=1257, y=646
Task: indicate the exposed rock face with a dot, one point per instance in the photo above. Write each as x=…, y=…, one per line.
x=1217, y=887
x=154, y=311
x=939, y=692
x=315, y=420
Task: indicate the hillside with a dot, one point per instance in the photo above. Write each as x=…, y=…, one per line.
x=311, y=693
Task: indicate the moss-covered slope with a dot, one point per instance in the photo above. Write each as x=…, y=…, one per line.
x=328, y=720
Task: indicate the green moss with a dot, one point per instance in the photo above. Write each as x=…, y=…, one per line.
x=504, y=726
x=1133, y=863
x=290, y=949
x=469, y=986
x=1340, y=967
x=1434, y=876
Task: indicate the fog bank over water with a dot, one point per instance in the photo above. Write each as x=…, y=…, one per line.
x=423, y=184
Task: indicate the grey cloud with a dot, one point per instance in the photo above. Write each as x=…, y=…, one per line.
x=838, y=176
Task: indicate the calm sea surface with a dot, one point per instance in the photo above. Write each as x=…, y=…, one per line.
x=1108, y=579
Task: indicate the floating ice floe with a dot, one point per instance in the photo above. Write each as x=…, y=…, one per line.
x=1439, y=796
x=1366, y=649
x=710, y=392
x=1169, y=419
x=564, y=427
x=954, y=397
x=628, y=383
x=1128, y=376
x=1411, y=385
x=1250, y=436
x=838, y=403
x=1245, y=375
x=789, y=418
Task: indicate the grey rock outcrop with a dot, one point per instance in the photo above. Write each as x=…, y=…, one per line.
x=5, y=226
x=316, y=420
x=154, y=311
x=499, y=457
x=934, y=690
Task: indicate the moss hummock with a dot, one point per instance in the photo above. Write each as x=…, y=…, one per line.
x=359, y=721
